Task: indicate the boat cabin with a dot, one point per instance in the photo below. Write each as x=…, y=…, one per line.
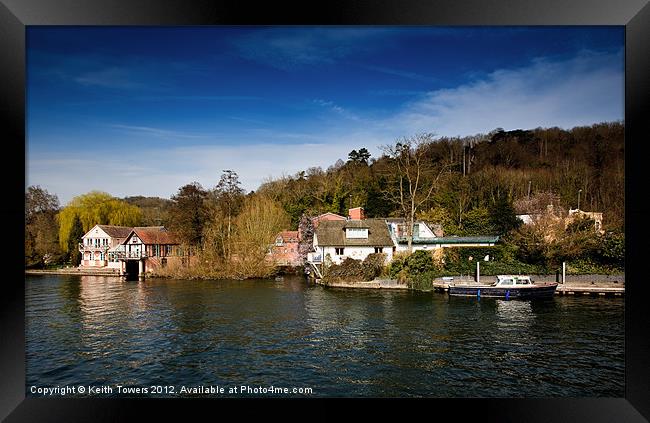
x=513, y=280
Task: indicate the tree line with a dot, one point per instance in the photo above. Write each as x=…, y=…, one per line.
x=471, y=185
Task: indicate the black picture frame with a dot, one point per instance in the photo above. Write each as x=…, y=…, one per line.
x=15, y=15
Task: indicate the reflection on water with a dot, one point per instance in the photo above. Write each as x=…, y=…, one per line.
x=97, y=330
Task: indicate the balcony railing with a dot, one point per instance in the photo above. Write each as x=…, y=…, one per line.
x=130, y=254
x=314, y=258
x=85, y=247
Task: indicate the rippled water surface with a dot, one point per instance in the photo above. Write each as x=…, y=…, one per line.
x=104, y=330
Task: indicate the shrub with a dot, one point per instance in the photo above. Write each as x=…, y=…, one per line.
x=351, y=270
x=423, y=281
x=612, y=249
x=491, y=268
x=586, y=267
x=397, y=265
x=420, y=261
x=404, y=264
x=373, y=265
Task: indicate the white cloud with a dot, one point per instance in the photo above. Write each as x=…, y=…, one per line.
x=581, y=91
x=161, y=172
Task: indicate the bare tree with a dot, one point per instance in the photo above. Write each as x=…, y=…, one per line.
x=228, y=197
x=414, y=177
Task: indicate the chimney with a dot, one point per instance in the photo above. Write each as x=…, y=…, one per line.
x=356, y=213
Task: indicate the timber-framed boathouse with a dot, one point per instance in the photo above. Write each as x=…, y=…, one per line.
x=129, y=251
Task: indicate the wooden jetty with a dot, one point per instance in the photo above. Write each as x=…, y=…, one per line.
x=562, y=289
x=590, y=290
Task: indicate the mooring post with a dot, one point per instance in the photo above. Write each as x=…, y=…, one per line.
x=563, y=272
x=478, y=271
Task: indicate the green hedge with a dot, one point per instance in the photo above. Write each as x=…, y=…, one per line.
x=416, y=263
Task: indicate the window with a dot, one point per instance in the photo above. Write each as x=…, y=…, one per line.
x=339, y=251
x=168, y=250
x=356, y=232
x=101, y=256
x=379, y=249
x=156, y=250
x=522, y=281
x=506, y=282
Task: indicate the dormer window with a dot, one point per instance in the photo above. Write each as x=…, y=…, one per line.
x=356, y=233
x=278, y=241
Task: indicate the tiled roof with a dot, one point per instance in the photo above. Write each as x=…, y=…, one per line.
x=116, y=231
x=289, y=236
x=326, y=217
x=155, y=235
x=332, y=233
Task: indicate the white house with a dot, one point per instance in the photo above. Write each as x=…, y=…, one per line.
x=99, y=245
x=356, y=238
x=336, y=240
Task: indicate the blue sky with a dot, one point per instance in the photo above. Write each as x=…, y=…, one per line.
x=143, y=111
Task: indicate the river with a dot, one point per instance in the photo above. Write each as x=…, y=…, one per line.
x=95, y=330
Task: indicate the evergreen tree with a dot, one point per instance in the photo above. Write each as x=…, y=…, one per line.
x=76, y=232
x=503, y=215
x=188, y=213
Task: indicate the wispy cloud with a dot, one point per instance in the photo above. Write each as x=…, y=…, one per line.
x=330, y=105
x=159, y=132
x=109, y=78
x=402, y=73
x=579, y=91
x=397, y=93
x=294, y=48
x=248, y=120
x=198, y=98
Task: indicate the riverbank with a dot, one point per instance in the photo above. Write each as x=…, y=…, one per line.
x=573, y=285
x=73, y=271
x=374, y=284
x=613, y=285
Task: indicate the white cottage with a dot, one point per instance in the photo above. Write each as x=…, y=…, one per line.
x=337, y=240
x=99, y=245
